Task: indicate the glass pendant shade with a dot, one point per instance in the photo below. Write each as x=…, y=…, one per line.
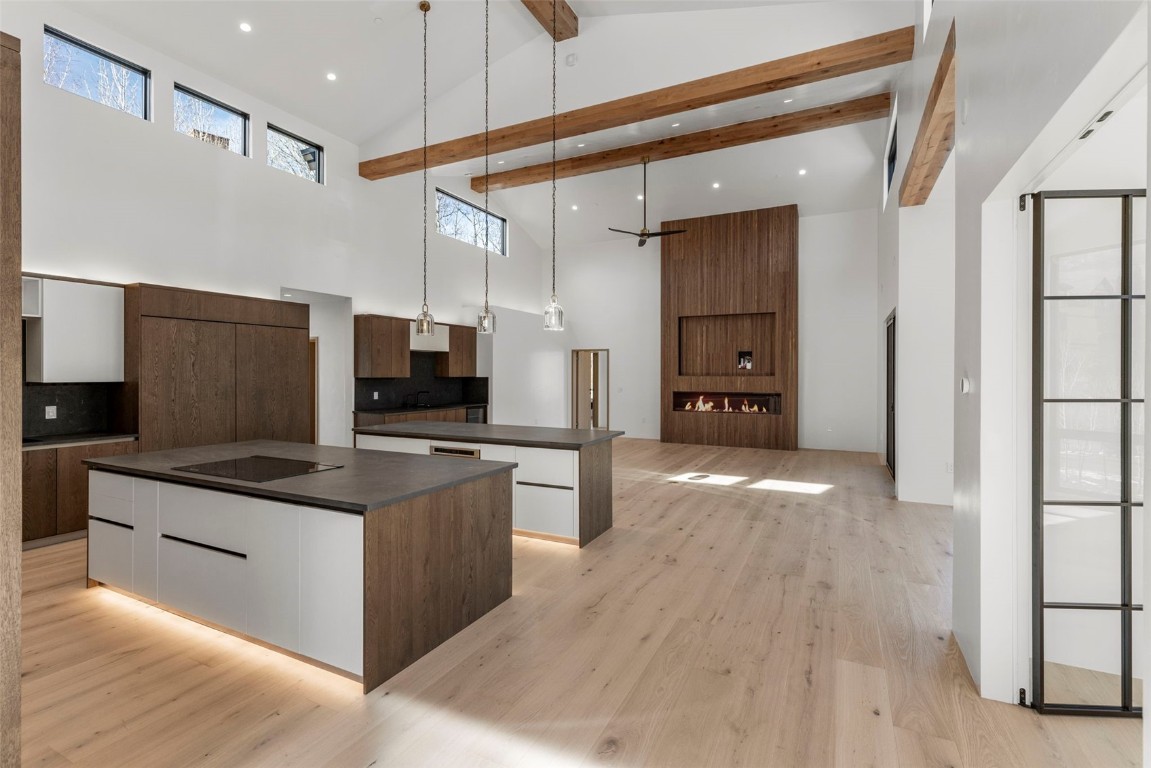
x=553, y=316
x=486, y=321
x=425, y=323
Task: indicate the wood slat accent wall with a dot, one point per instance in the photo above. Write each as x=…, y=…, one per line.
x=730, y=283
x=10, y=400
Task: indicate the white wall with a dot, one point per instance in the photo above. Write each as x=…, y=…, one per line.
x=925, y=351
x=112, y=197
x=531, y=371
x=610, y=292
x=838, y=297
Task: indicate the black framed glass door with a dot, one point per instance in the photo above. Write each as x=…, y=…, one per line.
x=1088, y=318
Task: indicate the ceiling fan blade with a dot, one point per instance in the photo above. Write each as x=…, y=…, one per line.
x=625, y=232
x=668, y=232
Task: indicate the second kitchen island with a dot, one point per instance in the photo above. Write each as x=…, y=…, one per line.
x=363, y=563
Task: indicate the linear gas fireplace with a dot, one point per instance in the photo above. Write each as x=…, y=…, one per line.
x=727, y=402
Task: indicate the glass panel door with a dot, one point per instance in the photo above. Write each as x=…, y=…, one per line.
x=1088, y=315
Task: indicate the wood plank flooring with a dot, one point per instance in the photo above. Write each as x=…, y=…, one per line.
x=715, y=625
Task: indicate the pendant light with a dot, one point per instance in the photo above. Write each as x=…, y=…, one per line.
x=553, y=312
x=486, y=321
x=425, y=323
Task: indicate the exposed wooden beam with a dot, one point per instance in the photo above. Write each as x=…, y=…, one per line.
x=567, y=23
x=936, y=134
x=833, y=61
x=830, y=116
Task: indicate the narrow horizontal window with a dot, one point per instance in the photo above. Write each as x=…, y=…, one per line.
x=473, y=225
x=297, y=156
x=85, y=70
x=208, y=120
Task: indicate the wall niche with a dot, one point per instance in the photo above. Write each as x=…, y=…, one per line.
x=730, y=357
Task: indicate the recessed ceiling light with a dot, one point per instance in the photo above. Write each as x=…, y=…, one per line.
x=639, y=197
x=245, y=26
x=378, y=20
x=500, y=162
x=467, y=173
x=287, y=295
x=788, y=101
x=575, y=207
x=715, y=185
x=802, y=171
x=675, y=125
x=331, y=75
x=581, y=145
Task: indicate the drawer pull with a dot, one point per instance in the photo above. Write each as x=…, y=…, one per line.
x=457, y=453
x=111, y=522
x=546, y=485
x=191, y=543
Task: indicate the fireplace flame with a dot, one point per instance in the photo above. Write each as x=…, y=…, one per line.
x=703, y=405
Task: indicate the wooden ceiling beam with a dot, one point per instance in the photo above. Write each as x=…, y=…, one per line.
x=884, y=49
x=567, y=23
x=936, y=135
x=778, y=126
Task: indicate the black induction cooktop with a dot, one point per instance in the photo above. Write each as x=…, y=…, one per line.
x=257, y=469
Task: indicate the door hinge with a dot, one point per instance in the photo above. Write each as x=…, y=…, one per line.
x=1023, y=697
x=1023, y=202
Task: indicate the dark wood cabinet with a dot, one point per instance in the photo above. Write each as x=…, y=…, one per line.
x=440, y=414
x=72, y=481
x=187, y=383
x=271, y=364
x=460, y=359
x=383, y=347
x=39, y=500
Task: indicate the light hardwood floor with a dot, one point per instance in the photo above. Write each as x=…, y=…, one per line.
x=713, y=626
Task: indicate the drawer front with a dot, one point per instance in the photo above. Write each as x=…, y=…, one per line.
x=203, y=583
x=110, y=554
x=394, y=444
x=205, y=517
x=547, y=466
x=109, y=508
x=274, y=573
x=545, y=510
x=332, y=588
x=111, y=485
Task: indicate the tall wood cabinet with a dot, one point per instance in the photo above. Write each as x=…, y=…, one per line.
x=203, y=368
x=383, y=347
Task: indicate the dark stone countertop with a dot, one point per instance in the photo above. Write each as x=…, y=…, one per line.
x=367, y=480
x=494, y=434
x=418, y=409
x=57, y=441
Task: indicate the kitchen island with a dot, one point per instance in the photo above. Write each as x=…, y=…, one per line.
x=562, y=483
x=363, y=564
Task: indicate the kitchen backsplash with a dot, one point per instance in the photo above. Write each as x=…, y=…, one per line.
x=396, y=393
x=80, y=408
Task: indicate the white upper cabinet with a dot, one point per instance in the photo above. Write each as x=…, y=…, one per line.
x=79, y=336
x=435, y=343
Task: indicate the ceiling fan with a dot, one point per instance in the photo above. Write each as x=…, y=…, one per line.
x=644, y=232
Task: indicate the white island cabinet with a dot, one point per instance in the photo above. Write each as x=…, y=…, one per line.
x=562, y=483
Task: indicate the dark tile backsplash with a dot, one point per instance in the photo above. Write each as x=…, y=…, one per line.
x=79, y=408
x=440, y=391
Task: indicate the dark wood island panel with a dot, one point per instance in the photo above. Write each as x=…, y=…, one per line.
x=433, y=565
x=595, y=503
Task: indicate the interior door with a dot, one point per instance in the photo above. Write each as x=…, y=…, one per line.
x=1088, y=326
x=590, y=388
x=891, y=394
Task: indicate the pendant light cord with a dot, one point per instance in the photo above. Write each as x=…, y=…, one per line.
x=555, y=4
x=425, y=8
x=487, y=212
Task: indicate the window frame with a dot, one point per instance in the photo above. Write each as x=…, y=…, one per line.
x=321, y=166
x=144, y=72
x=888, y=163
x=503, y=222
x=247, y=118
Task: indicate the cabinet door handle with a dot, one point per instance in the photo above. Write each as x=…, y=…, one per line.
x=111, y=522
x=191, y=543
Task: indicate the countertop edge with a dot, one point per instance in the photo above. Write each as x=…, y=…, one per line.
x=405, y=409
x=207, y=482
x=43, y=446
x=385, y=430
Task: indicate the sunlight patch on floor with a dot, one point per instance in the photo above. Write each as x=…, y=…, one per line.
x=791, y=486
x=706, y=479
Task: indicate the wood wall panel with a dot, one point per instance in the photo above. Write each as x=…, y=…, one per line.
x=38, y=505
x=163, y=301
x=187, y=383
x=710, y=345
x=72, y=481
x=732, y=264
x=11, y=378
x=271, y=365
x=432, y=566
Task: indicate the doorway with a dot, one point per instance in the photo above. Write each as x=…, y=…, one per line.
x=590, y=389
x=891, y=394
